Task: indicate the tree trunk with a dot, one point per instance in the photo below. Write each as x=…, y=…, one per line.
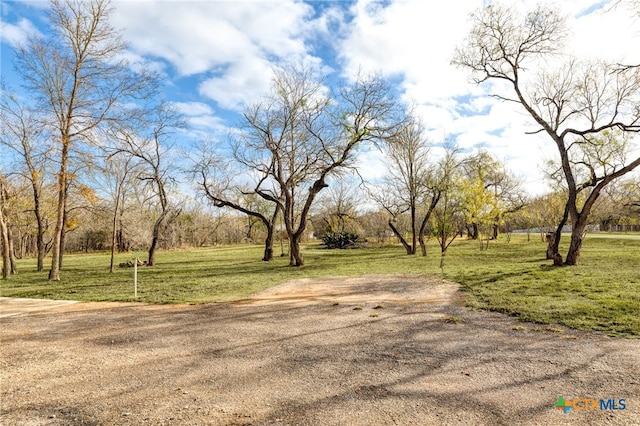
x=154, y=242
x=475, y=232
x=40, y=237
x=552, y=248
x=295, y=255
x=271, y=227
x=423, y=226
x=54, y=272
x=114, y=224
x=423, y=245
x=553, y=251
x=163, y=221
x=551, y=236
x=41, y=250
x=404, y=242
x=577, y=235
x=19, y=252
x=122, y=244
x=268, y=245
x=5, y=234
x=268, y=250
x=6, y=262
x=63, y=235
x=37, y=211
x=151, y=260
x=442, y=256
x=414, y=234
x=12, y=254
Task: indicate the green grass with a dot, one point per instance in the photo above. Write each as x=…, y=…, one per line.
x=601, y=293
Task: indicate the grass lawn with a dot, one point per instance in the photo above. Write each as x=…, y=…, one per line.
x=601, y=293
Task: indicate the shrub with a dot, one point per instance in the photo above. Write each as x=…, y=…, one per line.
x=340, y=239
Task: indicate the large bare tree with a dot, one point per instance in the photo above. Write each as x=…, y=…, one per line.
x=147, y=141
x=217, y=180
x=409, y=185
x=80, y=81
x=590, y=110
x=22, y=132
x=300, y=135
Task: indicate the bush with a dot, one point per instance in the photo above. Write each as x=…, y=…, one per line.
x=340, y=239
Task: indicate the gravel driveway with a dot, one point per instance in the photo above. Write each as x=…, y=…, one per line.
x=381, y=350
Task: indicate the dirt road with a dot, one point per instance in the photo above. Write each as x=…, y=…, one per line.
x=359, y=351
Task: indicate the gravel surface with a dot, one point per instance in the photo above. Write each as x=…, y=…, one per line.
x=384, y=350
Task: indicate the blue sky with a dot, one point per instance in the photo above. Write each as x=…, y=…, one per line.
x=217, y=55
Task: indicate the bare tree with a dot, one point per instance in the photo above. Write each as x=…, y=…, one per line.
x=216, y=180
x=298, y=137
x=79, y=82
x=409, y=185
x=448, y=220
x=151, y=152
x=4, y=229
x=22, y=132
x=118, y=173
x=588, y=109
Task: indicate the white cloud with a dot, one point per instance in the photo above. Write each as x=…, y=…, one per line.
x=241, y=82
x=197, y=36
x=193, y=109
x=612, y=35
x=17, y=34
x=203, y=122
x=371, y=164
x=411, y=38
x=329, y=24
x=230, y=44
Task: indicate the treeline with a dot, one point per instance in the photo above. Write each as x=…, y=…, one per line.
x=346, y=207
